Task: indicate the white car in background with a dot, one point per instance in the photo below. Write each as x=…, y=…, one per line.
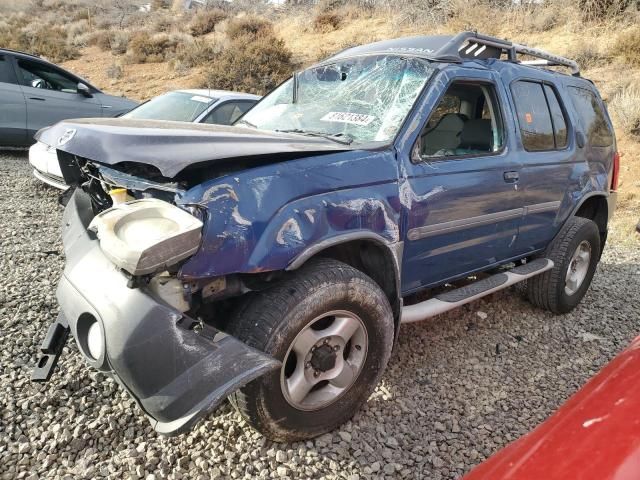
x=218, y=107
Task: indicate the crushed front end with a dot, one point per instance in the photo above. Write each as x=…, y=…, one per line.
x=121, y=299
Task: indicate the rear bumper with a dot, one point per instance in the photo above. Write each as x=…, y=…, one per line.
x=176, y=374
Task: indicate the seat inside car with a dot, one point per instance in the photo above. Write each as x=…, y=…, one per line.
x=445, y=135
x=476, y=136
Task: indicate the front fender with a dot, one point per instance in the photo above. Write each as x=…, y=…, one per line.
x=262, y=219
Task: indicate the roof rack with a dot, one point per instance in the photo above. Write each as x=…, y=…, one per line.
x=473, y=45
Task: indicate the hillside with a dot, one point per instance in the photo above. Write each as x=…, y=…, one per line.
x=253, y=46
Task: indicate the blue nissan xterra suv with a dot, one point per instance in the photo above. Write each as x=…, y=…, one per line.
x=272, y=262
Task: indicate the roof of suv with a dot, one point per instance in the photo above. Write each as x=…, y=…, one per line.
x=461, y=47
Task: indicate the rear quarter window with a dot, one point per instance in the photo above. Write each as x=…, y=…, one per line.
x=592, y=117
x=534, y=118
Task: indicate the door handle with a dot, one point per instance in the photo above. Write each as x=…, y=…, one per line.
x=37, y=98
x=511, y=177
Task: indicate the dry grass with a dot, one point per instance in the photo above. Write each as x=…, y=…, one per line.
x=249, y=25
x=625, y=110
x=252, y=63
x=327, y=22
x=627, y=45
x=152, y=48
x=205, y=21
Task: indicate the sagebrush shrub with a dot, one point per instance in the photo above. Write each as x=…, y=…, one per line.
x=193, y=54
x=327, y=22
x=249, y=25
x=46, y=40
x=625, y=110
x=628, y=46
x=147, y=48
x=205, y=21
x=251, y=63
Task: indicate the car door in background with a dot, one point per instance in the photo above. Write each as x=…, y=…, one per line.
x=226, y=113
x=13, y=110
x=52, y=95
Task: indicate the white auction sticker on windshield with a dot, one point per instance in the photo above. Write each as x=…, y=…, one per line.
x=346, y=117
x=198, y=98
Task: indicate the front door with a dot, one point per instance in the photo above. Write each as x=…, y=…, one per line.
x=460, y=187
x=13, y=111
x=52, y=95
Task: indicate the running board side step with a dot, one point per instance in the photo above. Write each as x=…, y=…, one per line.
x=455, y=298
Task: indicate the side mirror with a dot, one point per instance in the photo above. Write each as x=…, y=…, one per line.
x=580, y=140
x=84, y=90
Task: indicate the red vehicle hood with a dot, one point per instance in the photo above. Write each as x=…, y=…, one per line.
x=595, y=435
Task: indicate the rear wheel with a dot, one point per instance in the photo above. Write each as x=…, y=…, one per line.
x=575, y=254
x=332, y=328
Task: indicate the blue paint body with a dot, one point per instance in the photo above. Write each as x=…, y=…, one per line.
x=264, y=218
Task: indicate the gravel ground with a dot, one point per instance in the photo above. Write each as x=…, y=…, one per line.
x=457, y=389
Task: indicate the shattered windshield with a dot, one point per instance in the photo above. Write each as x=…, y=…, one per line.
x=363, y=99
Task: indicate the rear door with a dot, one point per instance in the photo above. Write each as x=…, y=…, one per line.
x=52, y=95
x=13, y=111
x=458, y=185
x=548, y=157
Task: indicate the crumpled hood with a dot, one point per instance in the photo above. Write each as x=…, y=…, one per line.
x=173, y=146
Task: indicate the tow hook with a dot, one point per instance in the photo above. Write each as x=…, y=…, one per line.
x=51, y=349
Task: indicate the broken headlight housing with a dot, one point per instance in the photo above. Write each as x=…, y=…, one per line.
x=144, y=236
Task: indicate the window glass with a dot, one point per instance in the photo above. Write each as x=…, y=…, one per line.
x=449, y=104
x=175, y=106
x=227, y=113
x=7, y=75
x=592, y=117
x=533, y=116
x=39, y=75
x=363, y=99
x=451, y=133
x=559, y=122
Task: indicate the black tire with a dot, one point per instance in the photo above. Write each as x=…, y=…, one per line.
x=271, y=320
x=547, y=290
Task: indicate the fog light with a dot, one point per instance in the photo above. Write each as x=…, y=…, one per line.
x=95, y=342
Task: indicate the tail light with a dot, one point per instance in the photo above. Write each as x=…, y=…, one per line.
x=615, y=173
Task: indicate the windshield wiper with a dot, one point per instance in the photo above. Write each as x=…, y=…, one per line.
x=342, y=138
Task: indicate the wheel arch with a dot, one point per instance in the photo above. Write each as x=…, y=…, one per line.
x=368, y=252
x=595, y=207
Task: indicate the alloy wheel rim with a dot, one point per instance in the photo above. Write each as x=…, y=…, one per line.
x=578, y=268
x=324, y=360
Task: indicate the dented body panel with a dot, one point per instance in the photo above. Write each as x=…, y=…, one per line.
x=262, y=219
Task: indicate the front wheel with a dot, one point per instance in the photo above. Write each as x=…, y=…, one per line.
x=575, y=253
x=332, y=328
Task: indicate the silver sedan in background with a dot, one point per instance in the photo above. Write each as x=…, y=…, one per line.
x=219, y=107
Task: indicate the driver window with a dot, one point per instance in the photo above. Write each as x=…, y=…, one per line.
x=39, y=75
x=466, y=122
